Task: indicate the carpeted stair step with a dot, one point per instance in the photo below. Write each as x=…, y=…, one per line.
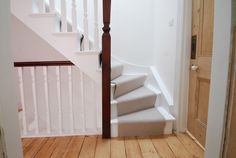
x=139, y=99
x=143, y=123
x=127, y=83
x=116, y=70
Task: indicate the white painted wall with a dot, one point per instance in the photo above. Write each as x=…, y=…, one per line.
x=132, y=31
x=144, y=33
x=165, y=18
x=28, y=46
x=219, y=79
x=8, y=94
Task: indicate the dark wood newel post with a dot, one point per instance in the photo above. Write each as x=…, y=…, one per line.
x=106, y=70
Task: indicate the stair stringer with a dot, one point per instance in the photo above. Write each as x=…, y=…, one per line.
x=151, y=82
x=46, y=26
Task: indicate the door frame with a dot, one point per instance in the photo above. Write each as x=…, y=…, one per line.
x=221, y=43
x=184, y=33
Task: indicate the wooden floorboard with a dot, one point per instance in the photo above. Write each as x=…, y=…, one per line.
x=193, y=148
x=89, y=147
x=103, y=148
x=74, y=148
x=162, y=147
x=171, y=146
x=118, y=148
x=147, y=148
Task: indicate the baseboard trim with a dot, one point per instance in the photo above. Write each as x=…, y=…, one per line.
x=195, y=140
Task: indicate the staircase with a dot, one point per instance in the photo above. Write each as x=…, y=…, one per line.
x=63, y=32
x=135, y=108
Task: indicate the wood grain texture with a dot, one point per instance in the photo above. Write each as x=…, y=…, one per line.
x=132, y=148
x=162, y=147
x=31, y=150
x=61, y=146
x=118, y=148
x=177, y=147
x=193, y=148
x=47, y=149
x=199, y=80
x=147, y=148
x=180, y=146
x=74, y=147
x=103, y=148
x=89, y=147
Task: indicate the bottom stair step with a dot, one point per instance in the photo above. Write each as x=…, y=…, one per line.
x=144, y=123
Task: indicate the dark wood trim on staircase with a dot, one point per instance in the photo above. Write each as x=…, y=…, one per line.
x=42, y=63
x=106, y=71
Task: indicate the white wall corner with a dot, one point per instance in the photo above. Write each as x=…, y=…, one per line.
x=181, y=81
x=162, y=85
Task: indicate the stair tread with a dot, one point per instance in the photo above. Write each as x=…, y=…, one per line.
x=149, y=115
x=127, y=83
x=115, y=63
x=141, y=92
x=126, y=78
x=116, y=70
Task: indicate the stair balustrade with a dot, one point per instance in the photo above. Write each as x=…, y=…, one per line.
x=67, y=10
x=56, y=99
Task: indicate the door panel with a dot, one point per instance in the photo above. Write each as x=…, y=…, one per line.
x=207, y=27
x=202, y=100
x=200, y=69
x=195, y=16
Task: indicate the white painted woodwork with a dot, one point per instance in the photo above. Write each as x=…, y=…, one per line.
x=59, y=98
x=66, y=43
x=41, y=6
x=71, y=113
x=96, y=30
x=85, y=21
x=35, y=106
x=52, y=6
x=22, y=98
x=74, y=16
x=45, y=76
x=82, y=99
x=63, y=16
x=57, y=101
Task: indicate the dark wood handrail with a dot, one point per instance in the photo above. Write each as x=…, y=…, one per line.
x=106, y=70
x=42, y=63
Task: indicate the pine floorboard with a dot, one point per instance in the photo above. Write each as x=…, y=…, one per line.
x=170, y=146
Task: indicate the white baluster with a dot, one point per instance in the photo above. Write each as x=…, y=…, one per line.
x=22, y=97
x=45, y=77
x=59, y=98
x=52, y=6
x=32, y=70
x=71, y=99
x=41, y=6
x=74, y=16
x=63, y=16
x=82, y=100
x=95, y=104
x=85, y=20
x=96, y=31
